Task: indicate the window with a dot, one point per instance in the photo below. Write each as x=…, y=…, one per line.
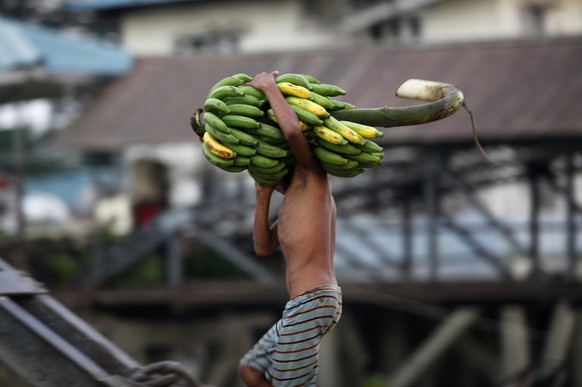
x=535, y=19
x=399, y=29
x=222, y=42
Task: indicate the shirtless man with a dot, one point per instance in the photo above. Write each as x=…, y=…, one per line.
x=288, y=354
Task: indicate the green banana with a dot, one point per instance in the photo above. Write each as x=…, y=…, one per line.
x=310, y=78
x=226, y=138
x=245, y=99
x=226, y=92
x=270, y=131
x=305, y=116
x=216, y=106
x=364, y=157
x=267, y=178
x=348, y=149
x=243, y=77
x=214, y=159
x=195, y=123
x=241, y=161
x=329, y=157
x=240, y=122
x=346, y=173
x=228, y=81
x=245, y=110
x=234, y=168
x=269, y=150
x=321, y=100
x=341, y=105
x=216, y=122
x=249, y=90
x=351, y=164
x=370, y=147
x=243, y=150
x=378, y=154
x=270, y=140
x=263, y=161
x=244, y=138
x=296, y=79
x=267, y=171
x=369, y=164
x=327, y=89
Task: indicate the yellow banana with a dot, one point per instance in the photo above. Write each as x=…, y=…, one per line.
x=329, y=135
x=290, y=89
x=308, y=105
x=363, y=130
x=353, y=137
x=303, y=125
x=217, y=148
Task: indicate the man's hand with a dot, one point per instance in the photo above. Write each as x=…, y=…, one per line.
x=263, y=80
x=264, y=190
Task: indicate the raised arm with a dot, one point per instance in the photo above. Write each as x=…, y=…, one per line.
x=265, y=237
x=287, y=119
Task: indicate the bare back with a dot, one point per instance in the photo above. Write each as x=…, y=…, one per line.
x=307, y=231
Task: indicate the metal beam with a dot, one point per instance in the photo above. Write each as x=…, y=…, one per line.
x=469, y=194
x=480, y=251
x=450, y=330
x=40, y=356
x=237, y=257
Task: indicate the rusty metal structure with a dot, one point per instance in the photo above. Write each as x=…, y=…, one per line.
x=487, y=252
x=46, y=344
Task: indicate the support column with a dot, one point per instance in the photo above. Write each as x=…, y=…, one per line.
x=558, y=340
x=431, y=170
x=515, y=350
x=577, y=352
x=453, y=327
x=330, y=374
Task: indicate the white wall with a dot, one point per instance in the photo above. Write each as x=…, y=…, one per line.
x=477, y=20
x=267, y=26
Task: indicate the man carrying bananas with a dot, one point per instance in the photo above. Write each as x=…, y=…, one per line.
x=288, y=354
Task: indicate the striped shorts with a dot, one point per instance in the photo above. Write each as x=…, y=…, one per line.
x=288, y=354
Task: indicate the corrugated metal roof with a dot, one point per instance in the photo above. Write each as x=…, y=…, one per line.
x=517, y=91
x=23, y=44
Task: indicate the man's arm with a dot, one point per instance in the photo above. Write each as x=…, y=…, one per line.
x=287, y=119
x=265, y=237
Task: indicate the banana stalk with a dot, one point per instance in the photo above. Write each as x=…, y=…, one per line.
x=444, y=100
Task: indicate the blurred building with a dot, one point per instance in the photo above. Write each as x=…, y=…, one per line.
x=181, y=27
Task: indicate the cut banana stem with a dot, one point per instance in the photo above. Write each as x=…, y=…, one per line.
x=444, y=100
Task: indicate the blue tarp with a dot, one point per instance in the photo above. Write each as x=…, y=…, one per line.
x=24, y=45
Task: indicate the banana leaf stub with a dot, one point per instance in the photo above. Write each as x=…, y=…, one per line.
x=239, y=131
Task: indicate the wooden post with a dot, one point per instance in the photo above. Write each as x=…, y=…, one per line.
x=558, y=340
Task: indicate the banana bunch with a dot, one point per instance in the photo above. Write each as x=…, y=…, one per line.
x=240, y=131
